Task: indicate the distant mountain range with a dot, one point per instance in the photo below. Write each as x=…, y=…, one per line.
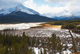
x=64, y=15
x=67, y=18
x=21, y=14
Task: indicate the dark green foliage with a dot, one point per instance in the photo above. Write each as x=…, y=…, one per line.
x=9, y=29
x=33, y=41
x=78, y=27
x=45, y=52
x=14, y=44
x=2, y=49
x=54, y=45
x=71, y=26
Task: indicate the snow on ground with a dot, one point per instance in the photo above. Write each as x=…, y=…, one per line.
x=67, y=52
x=37, y=51
x=18, y=26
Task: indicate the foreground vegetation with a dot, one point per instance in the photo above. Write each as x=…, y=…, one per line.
x=10, y=44
x=14, y=44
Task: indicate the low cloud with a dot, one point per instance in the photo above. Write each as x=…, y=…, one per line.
x=69, y=8
x=9, y=3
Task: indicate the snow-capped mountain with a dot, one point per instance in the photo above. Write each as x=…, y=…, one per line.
x=21, y=14
x=6, y=11
x=19, y=7
x=65, y=15
x=23, y=17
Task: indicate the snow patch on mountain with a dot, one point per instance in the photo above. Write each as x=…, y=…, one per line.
x=6, y=11
x=25, y=9
x=19, y=7
x=65, y=15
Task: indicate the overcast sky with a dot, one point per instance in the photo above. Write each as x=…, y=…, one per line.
x=52, y=7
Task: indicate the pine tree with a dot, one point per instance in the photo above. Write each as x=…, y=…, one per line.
x=41, y=51
x=38, y=41
x=59, y=45
x=45, y=52
x=24, y=46
x=2, y=49
x=33, y=41
x=54, y=43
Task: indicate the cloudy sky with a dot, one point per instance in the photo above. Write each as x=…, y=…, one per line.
x=47, y=7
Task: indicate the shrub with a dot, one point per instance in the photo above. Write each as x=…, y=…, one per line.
x=71, y=26
x=78, y=27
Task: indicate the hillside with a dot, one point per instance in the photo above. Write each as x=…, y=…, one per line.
x=23, y=17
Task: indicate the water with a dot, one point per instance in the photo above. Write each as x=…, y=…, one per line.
x=18, y=26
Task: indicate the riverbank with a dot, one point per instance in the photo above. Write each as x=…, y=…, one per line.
x=49, y=26
x=18, y=26
x=52, y=26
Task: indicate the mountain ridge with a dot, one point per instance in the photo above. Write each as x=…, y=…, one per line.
x=66, y=18
x=21, y=14
x=23, y=17
x=19, y=7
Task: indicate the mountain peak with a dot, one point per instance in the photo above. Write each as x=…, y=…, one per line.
x=22, y=8
x=19, y=7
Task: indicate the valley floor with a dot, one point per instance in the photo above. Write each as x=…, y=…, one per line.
x=45, y=31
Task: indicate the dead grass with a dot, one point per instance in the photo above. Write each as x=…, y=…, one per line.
x=52, y=26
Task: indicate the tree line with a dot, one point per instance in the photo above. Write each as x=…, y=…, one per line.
x=14, y=44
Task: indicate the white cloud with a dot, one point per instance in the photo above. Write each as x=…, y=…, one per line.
x=9, y=3
x=52, y=1
x=30, y=4
x=70, y=7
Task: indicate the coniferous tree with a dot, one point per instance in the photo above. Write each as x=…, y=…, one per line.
x=2, y=49
x=54, y=43
x=41, y=51
x=59, y=45
x=33, y=41
x=45, y=52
